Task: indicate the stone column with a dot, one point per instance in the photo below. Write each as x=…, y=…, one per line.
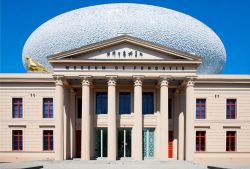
x=66, y=124
x=137, y=128
x=164, y=119
x=85, y=136
x=177, y=105
x=190, y=144
x=59, y=111
x=181, y=136
x=72, y=123
x=112, y=133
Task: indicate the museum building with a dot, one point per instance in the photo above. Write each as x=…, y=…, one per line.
x=123, y=97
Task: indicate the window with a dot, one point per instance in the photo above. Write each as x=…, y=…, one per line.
x=200, y=108
x=148, y=103
x=101, y=103
x=170, y=108
x=17, y=140
x=17, y=108
x=79, y=108
x=101, y=142
x=231, y=141
x=48, y=140
x=124, y=103
x=124, y=142
x=48, y=108
x=231, y=108
x=200, y=140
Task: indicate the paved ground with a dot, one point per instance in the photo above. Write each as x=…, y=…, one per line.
x=77, y=164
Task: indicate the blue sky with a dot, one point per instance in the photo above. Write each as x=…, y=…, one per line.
x=230, y=19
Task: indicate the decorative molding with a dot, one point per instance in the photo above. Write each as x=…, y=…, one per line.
x=59, y=80
x=46, y=126
x=17, y=125
x=202, y=127
x=138, y=81
x=164, y=81
x=86, y=80
x=190, y=83
x=177, y=92
x=124, y=39
x=72, y=92
x=231, y=127
x=112, y=81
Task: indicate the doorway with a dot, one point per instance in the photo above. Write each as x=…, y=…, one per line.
x=148, y=142
x=78, y=143
x=101, y=142
x=124, y=142
x=170, y=144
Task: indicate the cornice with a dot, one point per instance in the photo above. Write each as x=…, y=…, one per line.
x=124, y=39
x=125, y=61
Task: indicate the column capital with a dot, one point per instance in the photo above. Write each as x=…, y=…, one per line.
x=59, y=80
x=111, y=80
x=164, y=81
x=86, y=80
x=177, y=92
x=190, y=83
x=72, y=92
x=138, y=80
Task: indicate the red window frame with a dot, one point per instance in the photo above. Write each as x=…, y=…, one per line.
x=231, y=141
x=19, y=134
x=19, y=104
x=49, y=135
x=200, y=104
x=230, y=104
x=50, y=103
x=199, y=136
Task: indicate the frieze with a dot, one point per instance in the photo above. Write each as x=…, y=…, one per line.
x=124, y=54
x=128, y=68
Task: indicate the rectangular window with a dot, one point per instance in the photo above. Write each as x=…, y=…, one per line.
x=17, y=108
x=170, y=108
x=79, y=108
x=200, y=140
x=124, y=103
x=231, y=141
x=48, y=108
x=231, y=108
x=124, y=142
x=101, y=103
x=48, y=142
x=200, y=108
x=17, y=140
x=148, y=103
x=101, y=142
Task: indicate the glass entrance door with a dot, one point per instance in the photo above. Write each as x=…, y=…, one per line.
x=101, y=142
x=124, y=142
x=148, y=142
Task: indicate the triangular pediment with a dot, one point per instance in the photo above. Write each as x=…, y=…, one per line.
x=124, y=48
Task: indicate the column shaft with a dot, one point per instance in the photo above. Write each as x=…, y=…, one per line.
x=59, y=111
x=181, y=136
x=164, y=119
x=177, y=104
x=112, y=133
x=72, y=124
x=85, y=135
x=189, y=121
x=137, y=129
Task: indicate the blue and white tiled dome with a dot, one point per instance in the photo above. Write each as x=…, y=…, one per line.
x=156, y=24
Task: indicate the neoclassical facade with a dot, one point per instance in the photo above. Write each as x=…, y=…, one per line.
x=125, y=98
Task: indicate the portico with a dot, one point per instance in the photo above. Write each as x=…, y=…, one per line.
x=163, y=88
x=128, y=100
